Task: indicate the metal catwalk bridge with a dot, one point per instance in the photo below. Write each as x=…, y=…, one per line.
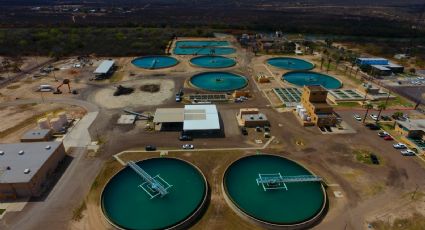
x=277, y=181
x=153, y=186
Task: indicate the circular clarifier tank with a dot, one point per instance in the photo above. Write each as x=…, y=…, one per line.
x=155, y=62
x=203, y=48
x=302, y=78
x=130, y=202
x=218, y=81
x=291, y=205
x=289, y=63
x=213, y=62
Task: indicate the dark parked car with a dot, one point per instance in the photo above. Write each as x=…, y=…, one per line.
x=244, y=131
x=386, y=118
x=150, y=148
x=258, y=129
x=383, y=134
x=372, y=126
x=266, y=128
x=374, y=159
x=180, y=93
x=185, y=138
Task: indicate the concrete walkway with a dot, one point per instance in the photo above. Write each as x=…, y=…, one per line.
x=117, y=156
x=79, y=135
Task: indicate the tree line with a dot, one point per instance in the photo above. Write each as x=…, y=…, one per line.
x=102, y=41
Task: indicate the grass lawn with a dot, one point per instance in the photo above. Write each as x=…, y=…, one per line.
x=349, y=104
x=387, y=127
x=363, y=156
x=2, y=211
x=400, y=101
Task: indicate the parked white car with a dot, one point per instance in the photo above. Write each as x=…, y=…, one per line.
x=408, y=152
x=399, y=146
x=188, y=146
x=45, y=88
x=374, y=117
x=357, y=117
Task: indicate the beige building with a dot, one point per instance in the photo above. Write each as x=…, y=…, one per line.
x=251, y=117
x=412, y=132
x=414, y=129
x=25, y=167
x=317, y=109
x=37, y=135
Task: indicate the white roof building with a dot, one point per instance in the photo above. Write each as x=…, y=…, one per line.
x=200, y=117
x=193, y=117
x=104, y=67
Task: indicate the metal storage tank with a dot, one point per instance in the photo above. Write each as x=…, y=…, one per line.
x=56, y=124
x=43, y=123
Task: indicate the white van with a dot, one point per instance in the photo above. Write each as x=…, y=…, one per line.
x=45, y=88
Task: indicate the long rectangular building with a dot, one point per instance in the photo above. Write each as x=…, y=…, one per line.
x=192, y=118
x=25, y=167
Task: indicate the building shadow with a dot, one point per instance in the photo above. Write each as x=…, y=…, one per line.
x=53, y=179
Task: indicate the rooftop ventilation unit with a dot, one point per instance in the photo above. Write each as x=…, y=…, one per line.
x=48, y=147
x=21, y=152
x=1, y=152
x=26, y=171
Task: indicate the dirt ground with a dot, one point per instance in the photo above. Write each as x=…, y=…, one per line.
x=25, y=118
x=106, y=99
x=368, y=191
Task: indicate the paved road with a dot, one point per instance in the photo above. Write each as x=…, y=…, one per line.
x=86, y=105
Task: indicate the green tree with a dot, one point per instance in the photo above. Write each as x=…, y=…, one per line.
x=381, y=107
x=329, y=64
x=397, y=114
x=367, y=106
x=328, y=42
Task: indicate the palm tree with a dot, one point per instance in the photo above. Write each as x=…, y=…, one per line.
x=381, y=107
x=338, y=60
x=368, y=106
x=357, y=71
x=329, y=64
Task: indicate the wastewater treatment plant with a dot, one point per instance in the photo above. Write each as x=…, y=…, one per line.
x=157, y=193
x=228, y=131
